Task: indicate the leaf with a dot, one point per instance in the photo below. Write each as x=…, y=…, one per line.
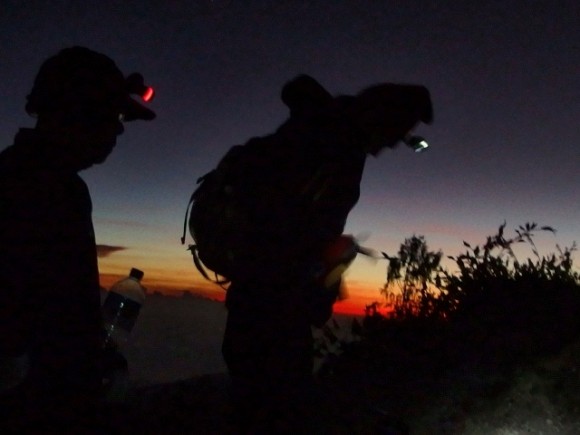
x=550, y=229
x=466, y=244
x=531, y=226
x=501, y=228
x=385, y=255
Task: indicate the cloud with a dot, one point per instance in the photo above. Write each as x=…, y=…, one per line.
x=106, y=250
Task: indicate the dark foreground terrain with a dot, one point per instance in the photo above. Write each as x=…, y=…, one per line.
x=409, y=393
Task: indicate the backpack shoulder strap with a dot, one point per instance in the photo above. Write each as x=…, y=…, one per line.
x=189, y=204
x=199, y=265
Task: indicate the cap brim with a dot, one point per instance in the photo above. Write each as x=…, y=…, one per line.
x=135, y=110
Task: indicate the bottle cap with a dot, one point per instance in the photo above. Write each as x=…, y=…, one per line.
x=136, y=273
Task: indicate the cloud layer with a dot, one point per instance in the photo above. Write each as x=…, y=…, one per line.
x=106, y=250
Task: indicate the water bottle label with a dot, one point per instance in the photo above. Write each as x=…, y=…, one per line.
x=120, y=311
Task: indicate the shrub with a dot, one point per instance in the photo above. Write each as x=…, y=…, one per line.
x=493, y=299
x=417, y=286
x=411, y=276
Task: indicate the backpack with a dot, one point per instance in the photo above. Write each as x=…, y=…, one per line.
x=245, y=214
x=243, y=210
x=212, y=211
x=235, y=234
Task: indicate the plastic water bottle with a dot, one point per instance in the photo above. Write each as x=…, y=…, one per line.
x=121, y=308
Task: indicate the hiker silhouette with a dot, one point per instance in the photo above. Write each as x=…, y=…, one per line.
x=49, y=284
x=312, y=165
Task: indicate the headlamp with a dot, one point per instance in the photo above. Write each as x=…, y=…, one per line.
x=417, y=143
x=135, y=85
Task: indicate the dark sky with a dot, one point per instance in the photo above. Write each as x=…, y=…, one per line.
x=504, y=78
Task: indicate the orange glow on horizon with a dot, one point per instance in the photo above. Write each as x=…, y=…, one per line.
x=172, y=273
x=169, y=287
x=359, y=295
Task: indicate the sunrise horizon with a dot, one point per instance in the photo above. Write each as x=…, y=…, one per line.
x=358, y=295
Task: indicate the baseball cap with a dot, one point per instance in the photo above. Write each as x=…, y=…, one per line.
x=303, y=93
x=80, y=75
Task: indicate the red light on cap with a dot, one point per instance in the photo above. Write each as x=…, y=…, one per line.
x=148, y=94
x=134, y=85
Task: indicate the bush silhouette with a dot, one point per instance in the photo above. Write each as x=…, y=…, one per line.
x=495, y=303
x=453, y=342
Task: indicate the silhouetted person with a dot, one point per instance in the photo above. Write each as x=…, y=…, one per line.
x=49, y=281
x=277, y=295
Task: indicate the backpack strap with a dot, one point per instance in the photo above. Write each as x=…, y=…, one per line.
x=189, y=204
x=193, y=248
x=199, y=265
x=185, y=219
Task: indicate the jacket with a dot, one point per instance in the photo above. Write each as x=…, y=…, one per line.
x=49, y=282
